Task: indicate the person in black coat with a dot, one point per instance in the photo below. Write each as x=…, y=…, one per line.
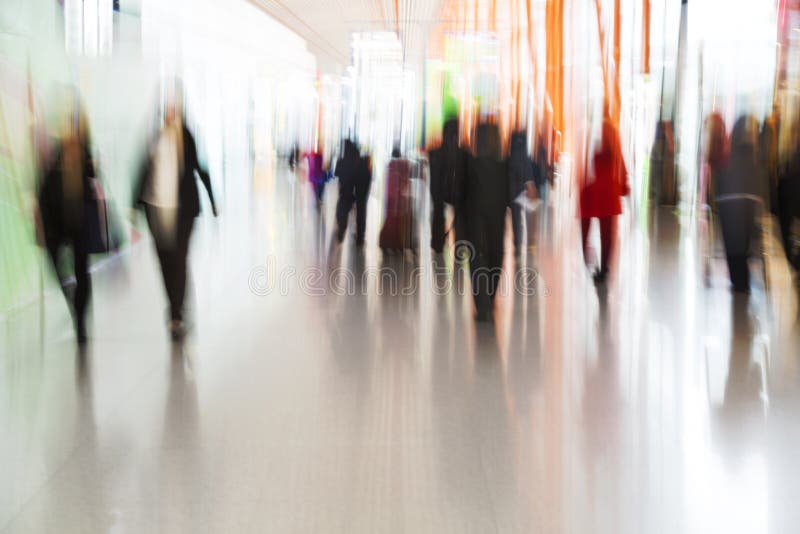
x=448, y=165
x=740, y=188
x=168, y=193
x=788, y=205
x=486, y=200
x=64, y=198
x=355, y=177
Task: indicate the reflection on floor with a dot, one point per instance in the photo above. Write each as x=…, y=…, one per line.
x=309, y=400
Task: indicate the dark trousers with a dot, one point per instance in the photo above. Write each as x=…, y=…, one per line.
x=79, y=300
x=319, y=190
x=608, y=236
x=786, y=206
x=517, y=213
x=172, y=248
x=737, y=219
x=348, y=195
x=438, y=230
x=486, y=259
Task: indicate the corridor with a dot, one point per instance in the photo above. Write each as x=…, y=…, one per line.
x=663, y=407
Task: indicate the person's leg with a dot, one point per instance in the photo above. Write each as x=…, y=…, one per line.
x=736, y=221
x=83, y=284
x=608, y=236
x=516, y=225
x=586, y=225
x=479, y=267
x=53, y=246
x=362, y=193
x=319, y=189
x=437, y=225
x=495, y=246
x=785, y=218
x=185, y=226
x=739, y=272
x=343, y=206
x=163, y=251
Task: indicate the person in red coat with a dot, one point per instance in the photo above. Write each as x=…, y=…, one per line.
x=601, y=195
x=396, y=234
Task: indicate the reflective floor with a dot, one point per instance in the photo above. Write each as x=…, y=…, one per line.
x=302, y=402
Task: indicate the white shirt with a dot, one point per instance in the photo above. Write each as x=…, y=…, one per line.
x=162, y=187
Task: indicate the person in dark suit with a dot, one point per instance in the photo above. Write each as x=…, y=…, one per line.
x=741, y=186
x=168, y=193
x=448, y=165
x=355, y=177
x=788, y=197
x=64, y=197
x=486, y=200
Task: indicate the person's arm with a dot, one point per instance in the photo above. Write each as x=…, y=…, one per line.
x=88, y=162
x=626, y=186
x=141, y=178
x=189, y=144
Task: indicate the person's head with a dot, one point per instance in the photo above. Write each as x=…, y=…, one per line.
x=745, y=133
x=609, y=139
x=73, y=124
x=487, y=141
x=173, y=105
x=450, y=133
x=350, y=149
x=396, y=151
x=519, y=142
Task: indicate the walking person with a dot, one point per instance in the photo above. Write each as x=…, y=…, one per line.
x=601, y=194
x=741, y=187
x=168, y=193
x=788, y=201
x=65, y=197
x=448, y=165
x=486, y=200
x=397, y=232
x=355, y=177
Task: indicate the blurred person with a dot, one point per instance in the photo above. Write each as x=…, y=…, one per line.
x=486, y=200
x=520, y=180
x=65, y=198
x=168, y=193
x=601, y=194
x=716, y=155
x=543, y=168
x=662, y=164
x=740, y=188
x=769, y=155
x=294, y=156
x=397, y=231
x=788, y=198
x=448, y=165
x=355, y=177
x=316, y=174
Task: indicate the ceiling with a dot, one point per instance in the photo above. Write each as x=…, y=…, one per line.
x=326, y=25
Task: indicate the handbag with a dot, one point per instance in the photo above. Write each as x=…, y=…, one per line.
x=101, y=238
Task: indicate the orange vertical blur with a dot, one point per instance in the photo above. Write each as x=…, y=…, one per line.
x=555, y=53
x=617, y=32
x=397, y=17
x=611, y=99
